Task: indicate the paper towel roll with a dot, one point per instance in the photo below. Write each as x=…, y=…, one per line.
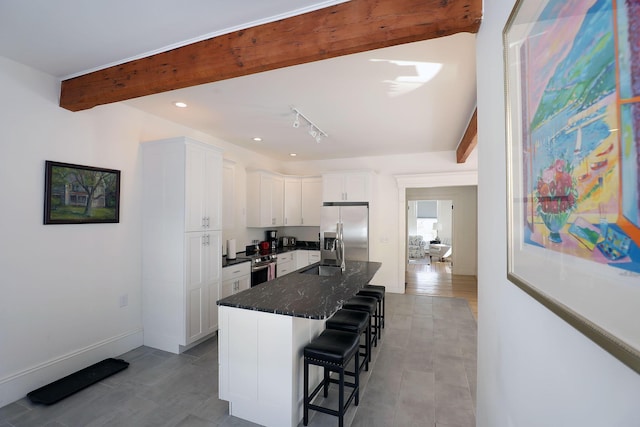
x=231, y=249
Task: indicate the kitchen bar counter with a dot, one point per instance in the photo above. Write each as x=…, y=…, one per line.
x=305, y=295
x=263, y=331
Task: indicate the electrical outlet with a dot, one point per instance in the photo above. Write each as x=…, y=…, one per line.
x=124, y=300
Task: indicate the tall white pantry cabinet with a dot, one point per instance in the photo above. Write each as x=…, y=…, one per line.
x=181, y=241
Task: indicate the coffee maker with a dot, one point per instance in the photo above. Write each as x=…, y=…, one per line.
x=272, y=238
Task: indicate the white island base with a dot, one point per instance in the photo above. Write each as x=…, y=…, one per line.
x=261, y=364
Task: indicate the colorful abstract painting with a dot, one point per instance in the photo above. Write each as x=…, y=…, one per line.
x=580, y=82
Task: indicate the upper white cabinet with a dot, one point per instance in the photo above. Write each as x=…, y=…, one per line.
x=311, y=201
x=228, y=195
x=203, y=168
x=265, y=199
x=181, y=241
x=302, y=201
x=347, y=187
x=292, y=201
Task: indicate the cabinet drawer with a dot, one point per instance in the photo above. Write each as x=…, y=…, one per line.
x=285, y=268
x=285, y=257
x=314, y=256
x=235, y=271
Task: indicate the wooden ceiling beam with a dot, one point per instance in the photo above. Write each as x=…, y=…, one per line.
x=469, y=140
x=343, y=29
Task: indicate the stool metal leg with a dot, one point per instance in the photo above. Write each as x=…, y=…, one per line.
x=305, y=418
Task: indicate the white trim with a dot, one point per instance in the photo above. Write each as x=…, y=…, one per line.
x=16, y=385
x=430, y=180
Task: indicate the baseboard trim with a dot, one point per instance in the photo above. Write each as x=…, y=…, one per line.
x=17, y=385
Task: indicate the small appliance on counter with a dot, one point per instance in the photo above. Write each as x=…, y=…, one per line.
x=272, y=238
x=287, y=241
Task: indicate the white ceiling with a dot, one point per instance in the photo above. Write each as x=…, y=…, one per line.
x=371, y=103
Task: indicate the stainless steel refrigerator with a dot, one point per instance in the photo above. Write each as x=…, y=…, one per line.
x=352, y=219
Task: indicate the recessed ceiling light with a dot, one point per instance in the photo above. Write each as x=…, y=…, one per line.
x=180, y=104
x=257, y=139
x=292, y=154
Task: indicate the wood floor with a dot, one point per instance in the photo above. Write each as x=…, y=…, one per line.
x=435, y=279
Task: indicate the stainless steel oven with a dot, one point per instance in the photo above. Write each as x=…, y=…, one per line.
x=263, y=268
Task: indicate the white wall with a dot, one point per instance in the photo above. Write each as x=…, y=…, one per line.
x=533, y=369
x=61, y=284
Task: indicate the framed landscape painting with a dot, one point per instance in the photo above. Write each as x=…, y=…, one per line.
x=572, y=84
x=75, y=194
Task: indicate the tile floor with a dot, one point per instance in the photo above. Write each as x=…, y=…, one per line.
x=423, y=374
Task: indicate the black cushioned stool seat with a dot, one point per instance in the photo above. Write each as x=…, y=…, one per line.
x=377, y=292
x=355, y=321
x=369, y=305
x=332, y=350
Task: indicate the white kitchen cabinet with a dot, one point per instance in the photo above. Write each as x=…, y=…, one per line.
x=286, y=263
x=181, y=270
x=347, y=187
x=202, y=279
x=302, y=201
x=203, y=207
x=314, y=256
x=311, y=203
x=265, y=199
x=292, y=201
x=235, y=278
x=228, y=195
x=305, y=257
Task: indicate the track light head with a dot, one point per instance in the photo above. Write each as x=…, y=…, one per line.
x=315, y=132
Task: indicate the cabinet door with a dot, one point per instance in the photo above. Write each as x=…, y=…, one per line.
x=195, y=196
x=228, y=288
x=314, y=256
x=292, y=201
x=285, y=268
x=356, y=187
x=228, y=195
x=277, y=201
x=332, y=188
x=213, y=190
x=214, y=279
x=302, y=259
x=244, y=283
x=311, y=190
x=196, y=304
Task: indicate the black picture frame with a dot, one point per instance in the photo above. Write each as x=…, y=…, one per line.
x=78, y=194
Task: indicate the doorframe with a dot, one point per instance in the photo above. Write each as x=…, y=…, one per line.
x=430, y=180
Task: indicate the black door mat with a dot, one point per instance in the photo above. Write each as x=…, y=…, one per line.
x=65, y=387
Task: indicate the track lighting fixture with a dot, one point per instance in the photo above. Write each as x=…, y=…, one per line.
x=315, y=132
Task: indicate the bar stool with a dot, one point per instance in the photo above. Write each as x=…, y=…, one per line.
x=333, y=350
x=355, y=321
x=369, y=305
x=377, y=292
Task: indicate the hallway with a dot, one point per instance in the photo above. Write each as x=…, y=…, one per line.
x=435, y=279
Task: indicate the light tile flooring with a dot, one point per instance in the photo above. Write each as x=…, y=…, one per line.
x=423, y=374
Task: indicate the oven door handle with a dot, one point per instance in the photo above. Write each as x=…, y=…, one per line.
x=262, y=267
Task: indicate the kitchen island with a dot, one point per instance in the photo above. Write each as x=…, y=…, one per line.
x=262, y=332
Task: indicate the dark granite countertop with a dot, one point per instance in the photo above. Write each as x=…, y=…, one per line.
x=305, y=295
x=229, y=262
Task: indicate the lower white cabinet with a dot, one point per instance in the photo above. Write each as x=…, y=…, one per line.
x=314, y=256
x=203, y=252
x=286, y=263
x=235, y=278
